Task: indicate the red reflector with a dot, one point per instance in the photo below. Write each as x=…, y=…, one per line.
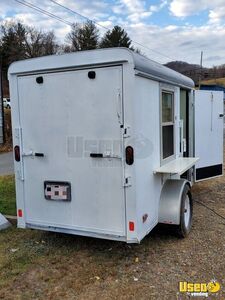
x=20, y=213
x=17, y=153
x=131, y=226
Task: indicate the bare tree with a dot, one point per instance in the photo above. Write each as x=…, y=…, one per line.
x=73, y=38
x=40, y=43
x=18, y=42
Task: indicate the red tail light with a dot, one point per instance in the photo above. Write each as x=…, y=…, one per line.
x=129, y=155
x=131, y=226
x=20, y=213
x=17, y=153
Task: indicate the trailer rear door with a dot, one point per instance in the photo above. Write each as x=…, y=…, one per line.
x=208, y=134
x=72, y=150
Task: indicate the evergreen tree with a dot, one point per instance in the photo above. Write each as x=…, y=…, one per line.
x=117, y=37
x=19, y=42
x=13, y=46
x=82, y=37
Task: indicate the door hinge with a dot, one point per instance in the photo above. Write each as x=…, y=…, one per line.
x=127, y=181
x=126, y=132
x=18, y=141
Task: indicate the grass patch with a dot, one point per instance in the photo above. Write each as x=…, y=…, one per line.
x=19, y=250
x=45, y=265
x=7, y=195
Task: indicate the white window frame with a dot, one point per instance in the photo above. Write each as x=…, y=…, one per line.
x=162, y=124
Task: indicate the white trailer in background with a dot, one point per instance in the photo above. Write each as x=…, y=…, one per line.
x=106, y=143
x=4, y=223
x=1, y=112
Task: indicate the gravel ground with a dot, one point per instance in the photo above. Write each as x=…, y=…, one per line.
x=41, y=265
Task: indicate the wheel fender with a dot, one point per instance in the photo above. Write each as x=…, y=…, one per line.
x=170, y=201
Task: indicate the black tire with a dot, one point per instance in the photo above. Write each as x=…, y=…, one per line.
x=183, y=229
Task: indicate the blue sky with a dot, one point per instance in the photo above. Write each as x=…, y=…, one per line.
x=173, y=29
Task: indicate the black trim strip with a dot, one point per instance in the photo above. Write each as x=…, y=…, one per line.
x=70, y=69
x=207, y=172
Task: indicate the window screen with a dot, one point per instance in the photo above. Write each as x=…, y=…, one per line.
x=168, y=141
x=167, y=124
x=167, y=107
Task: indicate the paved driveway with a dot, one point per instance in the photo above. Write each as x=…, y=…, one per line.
x=6, y=163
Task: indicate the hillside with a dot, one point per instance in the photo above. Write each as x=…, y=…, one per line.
x=196, y=72
x=182, y=66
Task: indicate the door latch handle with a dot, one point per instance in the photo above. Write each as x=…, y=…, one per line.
x=32, y=153
x=39, y=154
x=104, y=155
x=100, y=155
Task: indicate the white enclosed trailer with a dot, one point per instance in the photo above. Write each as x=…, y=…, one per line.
x=106, y=142
x=1, y=112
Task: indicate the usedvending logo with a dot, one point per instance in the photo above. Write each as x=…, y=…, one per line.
x=199, y=289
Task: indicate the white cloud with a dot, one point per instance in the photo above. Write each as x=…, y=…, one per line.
x=107, y=24
x=157, y=8
x=135, y=10
x=96, y=9
x=182, y=43
x=184, y=8
x=135, y=17
x=134, y=5
x=171, y=28
x=217, y=15
x=178, y=42
x=118, y=9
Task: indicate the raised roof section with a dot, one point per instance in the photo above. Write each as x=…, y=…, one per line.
x=160, y=72
x=142, y=65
